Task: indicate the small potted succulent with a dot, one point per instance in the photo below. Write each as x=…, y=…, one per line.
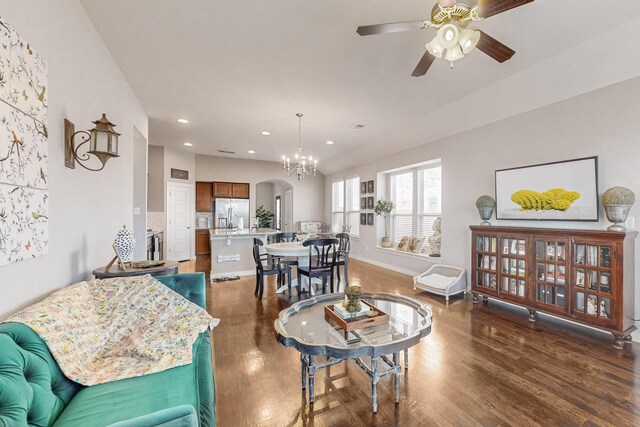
x=617, y=202
x=485, y=205
x=383, y=208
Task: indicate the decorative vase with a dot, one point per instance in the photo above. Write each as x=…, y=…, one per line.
x=617, y=202
x=386, y=242
x=124, y=244
x=485, y=205
x=617, y=214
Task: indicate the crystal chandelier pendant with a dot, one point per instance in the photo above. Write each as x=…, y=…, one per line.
x=300, y=168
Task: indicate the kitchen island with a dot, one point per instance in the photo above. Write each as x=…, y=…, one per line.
x=231, y=251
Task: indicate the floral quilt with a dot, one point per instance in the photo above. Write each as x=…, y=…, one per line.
x=106, y=330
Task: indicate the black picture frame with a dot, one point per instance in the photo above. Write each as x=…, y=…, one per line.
x=363, y=219
x=575, y=175
x=370, y=187
x=369, y=219
x=363, y=187
x=363, y=203
x=371, y=202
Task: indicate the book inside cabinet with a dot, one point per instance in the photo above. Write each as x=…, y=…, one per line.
x=586, y=276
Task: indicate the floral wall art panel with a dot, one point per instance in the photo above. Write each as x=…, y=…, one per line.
x=23, y=155
x=24, y=223
x=24, y=218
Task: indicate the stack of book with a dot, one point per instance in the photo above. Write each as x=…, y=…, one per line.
x=342, y=311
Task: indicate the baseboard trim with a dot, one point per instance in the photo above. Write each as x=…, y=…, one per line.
x=384, y=265
x=232, y=273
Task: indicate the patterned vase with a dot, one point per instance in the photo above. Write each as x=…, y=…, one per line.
x=124, y=244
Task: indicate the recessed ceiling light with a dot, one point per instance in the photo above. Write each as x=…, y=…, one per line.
x=330, y=142
x=265, y=133
x=185, y=121
x=251, y=152
x=188, y=144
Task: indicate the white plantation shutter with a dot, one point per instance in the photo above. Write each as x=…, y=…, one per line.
x=337, y=206
x=345, y=205
x=431, y=201
x=352, y=202
x=402, y=198
x=416, y=194
x=402, y=225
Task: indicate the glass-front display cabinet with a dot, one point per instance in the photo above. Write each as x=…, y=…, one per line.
x=583, y=275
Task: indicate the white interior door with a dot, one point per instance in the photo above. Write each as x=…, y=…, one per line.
x=179, y=233
x=288, y=210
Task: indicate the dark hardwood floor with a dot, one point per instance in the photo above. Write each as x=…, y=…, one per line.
x=480, y=366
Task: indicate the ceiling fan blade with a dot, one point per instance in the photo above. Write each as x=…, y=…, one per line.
x=393, y=27
x=493, y=7
x=424, y=64
x=494, y=48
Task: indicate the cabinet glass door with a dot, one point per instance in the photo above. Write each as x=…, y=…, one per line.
x=592, y=282
x=486, y=262
x=513, y=268
x=552, y=266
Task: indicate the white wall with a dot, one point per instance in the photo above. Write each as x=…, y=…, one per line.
x=140, y=195
x=155, y=185
x=308, y=200
x=603, y=123
x=86, y=209
x=264, y=196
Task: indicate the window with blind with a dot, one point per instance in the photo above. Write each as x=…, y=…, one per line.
x=416, y=194
x=346, y=205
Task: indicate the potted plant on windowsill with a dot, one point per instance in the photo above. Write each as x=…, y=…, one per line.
x=383, y=208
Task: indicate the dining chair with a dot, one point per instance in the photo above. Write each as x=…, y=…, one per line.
x=322, y=261
x=342, y=257
x=287, y=236
x=274, y=266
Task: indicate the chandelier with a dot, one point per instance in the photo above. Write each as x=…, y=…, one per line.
x=454, y=39
x=300, y=167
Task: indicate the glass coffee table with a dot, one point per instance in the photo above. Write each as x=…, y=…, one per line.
x=304, y=327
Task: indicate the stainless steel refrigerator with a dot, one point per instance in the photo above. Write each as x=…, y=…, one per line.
x=231, y=213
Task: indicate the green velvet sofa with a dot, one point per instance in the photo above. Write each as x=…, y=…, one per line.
x=34, y=391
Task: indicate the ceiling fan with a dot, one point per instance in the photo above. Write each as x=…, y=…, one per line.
x=455, y=38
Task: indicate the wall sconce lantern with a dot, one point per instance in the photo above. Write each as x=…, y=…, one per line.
x=102, y=139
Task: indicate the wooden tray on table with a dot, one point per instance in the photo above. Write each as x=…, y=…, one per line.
x=359, y=322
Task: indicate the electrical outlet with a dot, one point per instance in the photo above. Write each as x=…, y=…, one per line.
x=366, y=248
x=136, y=210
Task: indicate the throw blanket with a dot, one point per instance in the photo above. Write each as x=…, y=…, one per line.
x=106, y=330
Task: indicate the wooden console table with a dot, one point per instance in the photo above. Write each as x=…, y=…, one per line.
x=586, y=276
x=169, y=267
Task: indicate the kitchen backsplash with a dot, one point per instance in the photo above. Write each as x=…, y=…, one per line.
x=155, y=221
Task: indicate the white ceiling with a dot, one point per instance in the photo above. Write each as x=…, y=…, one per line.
x=235, y=68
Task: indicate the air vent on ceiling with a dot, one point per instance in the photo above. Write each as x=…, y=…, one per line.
x=357, y=127
x=226, y=152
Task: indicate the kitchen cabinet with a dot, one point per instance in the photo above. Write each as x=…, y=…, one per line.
x=222, y=189
x=204, y=195
x=202, y=242
x=233, y=190
x=240, y=191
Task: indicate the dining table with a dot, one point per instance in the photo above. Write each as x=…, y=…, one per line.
x=297, y=250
